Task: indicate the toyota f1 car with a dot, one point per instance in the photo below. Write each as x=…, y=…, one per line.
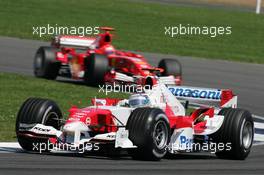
x=148, y=125
x=96, y=61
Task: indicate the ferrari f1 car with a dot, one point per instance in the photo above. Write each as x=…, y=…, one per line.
x=96, y=61
x=148, y=125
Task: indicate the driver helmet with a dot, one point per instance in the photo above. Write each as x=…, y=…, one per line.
x=138, y=100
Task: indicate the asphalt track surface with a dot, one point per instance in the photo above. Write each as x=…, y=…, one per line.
x=26, y=164
x=246, y=80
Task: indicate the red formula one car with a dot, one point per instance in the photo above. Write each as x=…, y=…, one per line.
x=148, y=125
x=96, y=61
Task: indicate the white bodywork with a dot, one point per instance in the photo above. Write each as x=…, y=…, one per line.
x=181, y=140
x=161, y=97
x=77, y=41
x=120, y=77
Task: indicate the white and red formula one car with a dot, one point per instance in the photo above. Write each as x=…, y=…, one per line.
x=148, y=125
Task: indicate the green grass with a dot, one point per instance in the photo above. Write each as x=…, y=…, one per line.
x=15, y=89
x=140, y=26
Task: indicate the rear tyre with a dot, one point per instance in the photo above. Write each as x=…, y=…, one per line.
x=170, y=67
x=45, y=63
x=36, y=111
x=237, y=130
x=149, y=130
x=96, y=66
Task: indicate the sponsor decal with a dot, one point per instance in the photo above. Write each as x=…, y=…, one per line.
x=214, y=94
x=185, y=140
x=41, y=129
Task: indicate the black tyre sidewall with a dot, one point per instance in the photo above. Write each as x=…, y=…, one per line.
x=96, y=66
x=141, y=127
x=237, y=146
x=49, y=65
x=230, y=133
x=44, y=113
x=36, y=111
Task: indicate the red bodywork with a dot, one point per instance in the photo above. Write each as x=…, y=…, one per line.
x=99, y=120
x=102, y=120
x=121, y=61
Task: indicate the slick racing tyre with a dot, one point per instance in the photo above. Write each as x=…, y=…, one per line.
x=36, y=111
x=170, y=67
x=45, y=63
x=237, y=130
x=96, y=66
x=149, y=130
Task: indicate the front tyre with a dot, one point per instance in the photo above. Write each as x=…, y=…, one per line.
x=96, y=66
x=237, y=130
x=149, y=130
x=36, y=111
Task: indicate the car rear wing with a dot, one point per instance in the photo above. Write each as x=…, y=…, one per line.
x=205, y=96
x=73, y=41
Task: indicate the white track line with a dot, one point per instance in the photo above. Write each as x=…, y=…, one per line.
x=9, y=144
x=10, y=147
